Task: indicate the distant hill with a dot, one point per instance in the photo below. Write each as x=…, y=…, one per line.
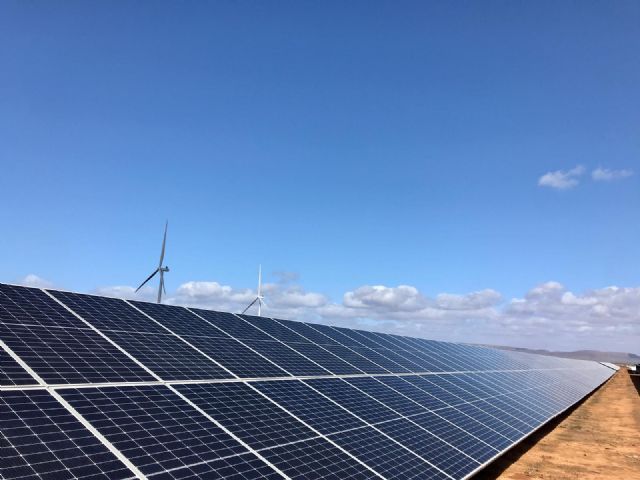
x=612, y=357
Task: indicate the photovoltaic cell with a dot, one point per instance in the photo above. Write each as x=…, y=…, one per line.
x=308, y=332
x=310, y=406
x=232, y=325
x=275, y=329
x=108, y=313
x=316, y=459
x=401, y=385
x=324, y=358
x=247, y=414
x=40, y=439
x=11, y=373
x=429, y=447
x=384, y=455
x=455, y=436
x=386, y=395
x=378, y=358
x=475, y=427
x=239, y=467
x=286, y=358
x=355, y=359
x=236, y=357
x=152, y=426
x=167, y=356
x=353, y=400
x=60, y=355
x=31, y=306
x=179, y=320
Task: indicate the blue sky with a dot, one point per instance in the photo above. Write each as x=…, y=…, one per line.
x=354, y=143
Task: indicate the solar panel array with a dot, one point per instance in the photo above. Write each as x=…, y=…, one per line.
x=95, y=387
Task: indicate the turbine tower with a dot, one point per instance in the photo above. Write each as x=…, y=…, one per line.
x=162, y=270
x=259, y=298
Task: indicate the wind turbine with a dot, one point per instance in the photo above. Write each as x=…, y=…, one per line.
x=259, y=298
x=162, y=270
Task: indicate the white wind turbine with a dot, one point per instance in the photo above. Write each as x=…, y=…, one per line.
x=259, y=298
x=162, y=270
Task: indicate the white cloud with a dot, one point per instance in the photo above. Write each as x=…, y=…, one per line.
x=33, y=280
x=607, y=175
x=562, y=179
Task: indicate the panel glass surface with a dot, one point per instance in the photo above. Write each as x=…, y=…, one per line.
x=31, y=306
x=179, y=320
x=352, y=399
x=316, y=459
x=247, y=414
x=232, y=324
x=152, y=426
x=240, y=467
x=385, y=456
x=310, y=406
x=168, y=356
x=236, y=357
x=61, y=355
x=386, y=395
x=41, y=440
x=286, y=358
x=108, y=313
x=11, y=373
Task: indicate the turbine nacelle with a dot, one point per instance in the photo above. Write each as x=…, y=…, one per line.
x=161, y=269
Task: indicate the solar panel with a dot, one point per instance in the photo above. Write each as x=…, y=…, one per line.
x=385, y=456
x=40, y=439
x=316, y=459
x=152, y=426
x=245, y=397
x=11, y=373
x=310, y=406
x=168, y=356
x=73, y=355
x=252, y=417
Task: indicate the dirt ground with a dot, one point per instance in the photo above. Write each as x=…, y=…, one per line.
x=598, y=439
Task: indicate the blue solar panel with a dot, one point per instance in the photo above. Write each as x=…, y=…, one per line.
x=232, y=325
x=236, y=357
x=40, y=439
x=152, y=426
x=286, y=358
x=384, y=455
x=247, y=414
x=386, y=395
x=456, y=436
x=168, y=356
x=431, y=448
x=352, y=399
x=239, y=467
x=316, y=459
x=245, y=389
x=310, y=406
x=324, y=358
x=11, y=373
x=61, y=355
x=108, y=313
x=179, y=320
x=274, y=329
x=31, y=306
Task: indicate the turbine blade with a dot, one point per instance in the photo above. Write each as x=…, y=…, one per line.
x=250, y=305
x=148, y=278
x=164, y=243
x=161, y=286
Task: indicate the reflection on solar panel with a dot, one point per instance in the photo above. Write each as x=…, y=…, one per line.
x=94, y=387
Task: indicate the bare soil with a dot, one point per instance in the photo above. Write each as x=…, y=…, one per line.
x=597, y=439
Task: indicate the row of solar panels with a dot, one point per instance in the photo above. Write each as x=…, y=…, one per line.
x=251, y=398
x=95, y=343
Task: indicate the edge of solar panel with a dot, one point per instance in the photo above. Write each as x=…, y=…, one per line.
x=581, y=390
x=532, y=432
